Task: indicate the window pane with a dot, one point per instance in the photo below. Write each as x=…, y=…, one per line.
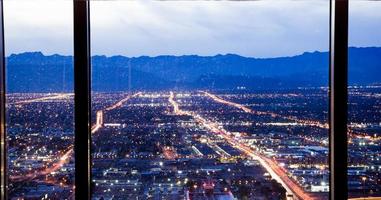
x=364, y=120
x=210, y=99
x=39, y=115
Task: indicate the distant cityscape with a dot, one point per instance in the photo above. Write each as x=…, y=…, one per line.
x=190, y=100
x=193, y=144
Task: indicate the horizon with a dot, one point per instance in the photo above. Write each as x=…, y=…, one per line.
x=229, y=71
x=283, y=89
x=185, y=55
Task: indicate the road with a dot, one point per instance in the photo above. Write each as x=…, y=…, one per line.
x=248, y=110
x=64, y=158
x=47, y=98
x=277, y=172
x=99, y=114
x=68, y=153
x=351, y=133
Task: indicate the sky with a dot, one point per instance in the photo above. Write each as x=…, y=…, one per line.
x=268, y=28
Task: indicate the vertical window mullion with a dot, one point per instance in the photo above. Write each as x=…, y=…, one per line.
x=338, y=93
x=82, y=99
x=3, y=149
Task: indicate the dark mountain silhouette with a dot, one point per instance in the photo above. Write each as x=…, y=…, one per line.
x=35, y=72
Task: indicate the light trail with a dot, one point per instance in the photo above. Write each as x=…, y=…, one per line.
x=218, y=150
x=271, y=164
x=99, y=122
x=277, y=172
x=314, y=123
x=248, y=110
x=198, y=152
x=65, y=158
x=175, y=105
x=55, y=97
x=121, y=102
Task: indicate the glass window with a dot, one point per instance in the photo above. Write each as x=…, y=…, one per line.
x=221, y=99
x=39, y=99
x=364, y=120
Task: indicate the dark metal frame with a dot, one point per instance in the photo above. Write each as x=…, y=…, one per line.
x=3, y=145
x=82, y=84
x=338, y=98
x=82, y=99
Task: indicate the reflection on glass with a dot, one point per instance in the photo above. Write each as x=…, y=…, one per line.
x=210, y=100
x=39, y=99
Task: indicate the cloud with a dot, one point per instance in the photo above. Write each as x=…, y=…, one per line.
x=133, y=28
x=264, y=28
x=365, y=23
x=38, y=25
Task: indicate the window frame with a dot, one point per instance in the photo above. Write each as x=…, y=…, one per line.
x=338, y=98
x=3, y=144
x=82, y=99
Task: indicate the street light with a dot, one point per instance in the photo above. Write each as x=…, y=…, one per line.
x=363, y=185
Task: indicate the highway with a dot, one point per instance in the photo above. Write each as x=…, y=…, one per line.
x=98, y=122
x=59, y=163
x=314, y=123
x=47, y=98
x=121, y=102
x=277, y=172
x=272, y=167
x=248, y=110
x=99, y=114
x=66, y=156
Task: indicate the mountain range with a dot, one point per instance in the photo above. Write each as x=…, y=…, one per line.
x=36, y=72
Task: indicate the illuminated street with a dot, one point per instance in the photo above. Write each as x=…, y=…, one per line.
x=276, y=172
x=183, y=144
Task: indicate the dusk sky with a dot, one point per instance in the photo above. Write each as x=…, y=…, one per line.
x=134, y=28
